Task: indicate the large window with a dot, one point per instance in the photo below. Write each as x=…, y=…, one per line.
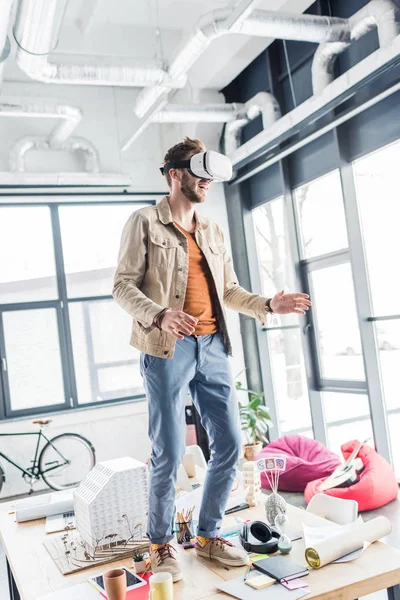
x=27, y=266
x=319, y=205
x=287, y=361
x=333, y=318
x=347, y=417
x=337, y=331
x=345, y=376
x=63, y=340
x=377, y=183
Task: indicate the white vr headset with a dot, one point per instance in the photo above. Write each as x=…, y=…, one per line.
x=205, y=165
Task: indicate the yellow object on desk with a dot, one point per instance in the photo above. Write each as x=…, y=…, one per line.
x=261, y=581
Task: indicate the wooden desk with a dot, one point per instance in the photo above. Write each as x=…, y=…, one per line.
x=33, y=574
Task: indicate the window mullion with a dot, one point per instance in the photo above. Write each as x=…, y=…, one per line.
x=64, y=323
x=316, y=404
x=4, y=389
x=363, y=300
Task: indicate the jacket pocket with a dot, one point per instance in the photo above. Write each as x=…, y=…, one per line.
x=162, y=250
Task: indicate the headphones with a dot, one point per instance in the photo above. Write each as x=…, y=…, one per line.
x=259, y=537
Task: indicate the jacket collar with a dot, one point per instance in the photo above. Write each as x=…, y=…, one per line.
x=165, y=216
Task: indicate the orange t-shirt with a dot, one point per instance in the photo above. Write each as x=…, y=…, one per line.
x=200, y=289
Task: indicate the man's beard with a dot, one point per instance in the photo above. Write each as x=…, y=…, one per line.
x=188, y=190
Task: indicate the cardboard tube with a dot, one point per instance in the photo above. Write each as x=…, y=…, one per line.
x=343, y=543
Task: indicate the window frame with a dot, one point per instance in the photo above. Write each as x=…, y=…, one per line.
x=61, y=305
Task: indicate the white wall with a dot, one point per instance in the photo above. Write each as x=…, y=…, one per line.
x=122, y=429
x=115, y=431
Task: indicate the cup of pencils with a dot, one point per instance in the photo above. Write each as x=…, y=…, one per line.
x=184, y=526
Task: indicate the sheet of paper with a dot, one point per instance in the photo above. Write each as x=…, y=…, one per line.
x=238, y=589
x=294, y=584
x=84, y=591
x=313, y=535
x=185, y=500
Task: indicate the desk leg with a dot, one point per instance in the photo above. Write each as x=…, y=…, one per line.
x=394, y=592
x=12, y=586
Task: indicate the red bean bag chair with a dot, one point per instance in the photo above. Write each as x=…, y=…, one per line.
x=306, y=460
x=377, y=485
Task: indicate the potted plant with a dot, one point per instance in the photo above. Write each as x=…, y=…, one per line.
x=255, y=421
x=139, y=562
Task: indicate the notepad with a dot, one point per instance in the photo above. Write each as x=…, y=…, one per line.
x=280, y=568
x=260, y=581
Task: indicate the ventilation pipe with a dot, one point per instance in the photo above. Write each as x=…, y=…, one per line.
x=262, y=103
x=235, y=115
x=278, y=133
x=76, y=144
x=203, y=113
x=68, y=115
x=5, y=46
x=252, y=22
x=308, y=28
x=383, y=14
x=18, y=176
x=34, y=34
x=303, y=28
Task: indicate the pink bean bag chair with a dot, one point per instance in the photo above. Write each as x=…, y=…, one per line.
x=306, y=460
x=377, y=484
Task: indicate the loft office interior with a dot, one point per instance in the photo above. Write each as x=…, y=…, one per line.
x=303, y=97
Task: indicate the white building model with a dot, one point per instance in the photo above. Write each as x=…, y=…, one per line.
x=111, y=504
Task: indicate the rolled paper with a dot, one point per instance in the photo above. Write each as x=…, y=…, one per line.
x=337, y=546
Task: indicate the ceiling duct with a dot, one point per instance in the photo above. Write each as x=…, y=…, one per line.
x=267, y=142
x=68, y=115
x=382, y=14
x=34, y=34
x=251, y=22
x=302, y=27
x=5, y=46
x=192, y=113
x=92, y=177
x=77, y=144
x=264, y=104
x=235, y=115
x=258, y=23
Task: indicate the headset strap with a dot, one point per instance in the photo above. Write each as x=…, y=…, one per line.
x=177, y=164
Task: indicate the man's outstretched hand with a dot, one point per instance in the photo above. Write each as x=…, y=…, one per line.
x=282, y=303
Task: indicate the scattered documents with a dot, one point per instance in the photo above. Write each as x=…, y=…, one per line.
x=315, y=535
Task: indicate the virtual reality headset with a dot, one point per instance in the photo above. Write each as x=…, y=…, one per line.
x=204, y=165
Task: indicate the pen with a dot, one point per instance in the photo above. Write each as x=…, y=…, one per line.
x=247, y=572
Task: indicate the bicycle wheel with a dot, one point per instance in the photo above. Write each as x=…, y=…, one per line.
x=65, y=460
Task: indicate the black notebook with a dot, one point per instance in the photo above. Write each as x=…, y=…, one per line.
x=280, y=568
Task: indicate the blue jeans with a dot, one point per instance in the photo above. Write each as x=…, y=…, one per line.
x=200, y=364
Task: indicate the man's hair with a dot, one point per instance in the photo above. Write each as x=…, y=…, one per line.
x=182, y=151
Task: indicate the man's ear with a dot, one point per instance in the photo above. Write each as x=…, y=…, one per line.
x=176, y=174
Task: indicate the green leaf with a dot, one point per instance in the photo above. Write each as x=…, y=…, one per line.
x=255, y=403
x=264, y=412
x=252, y=421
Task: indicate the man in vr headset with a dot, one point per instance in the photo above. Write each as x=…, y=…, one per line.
x=175, y=279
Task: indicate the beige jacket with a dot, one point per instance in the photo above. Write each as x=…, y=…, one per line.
x=152, y=274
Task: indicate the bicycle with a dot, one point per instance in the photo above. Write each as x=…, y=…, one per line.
x=61, y=463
